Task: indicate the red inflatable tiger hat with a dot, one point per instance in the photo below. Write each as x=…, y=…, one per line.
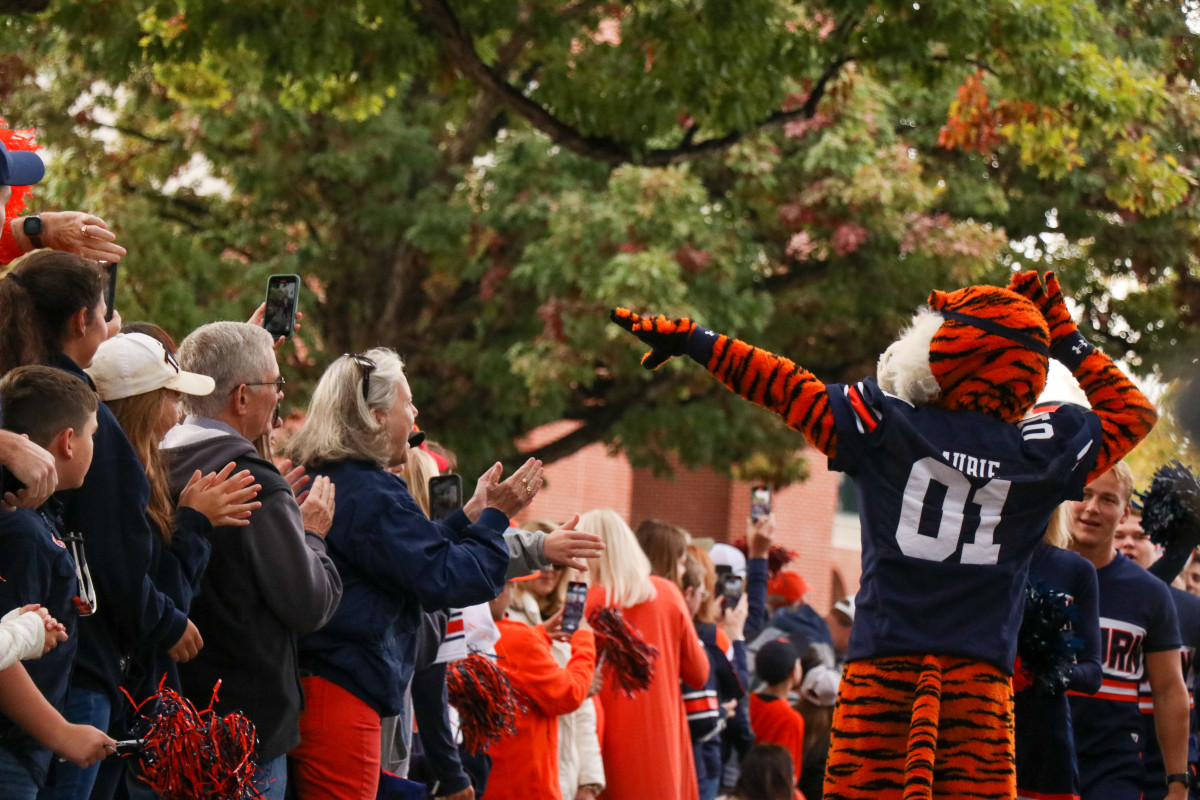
x=981, y=348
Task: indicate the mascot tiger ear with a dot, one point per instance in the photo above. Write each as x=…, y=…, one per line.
x=991, y=353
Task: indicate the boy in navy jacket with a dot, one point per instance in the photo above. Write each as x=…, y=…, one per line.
x=37, y=555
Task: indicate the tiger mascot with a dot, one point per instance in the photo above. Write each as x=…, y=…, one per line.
x=956, y=485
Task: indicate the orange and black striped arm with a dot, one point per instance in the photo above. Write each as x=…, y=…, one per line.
x=1125, y=414
x=773, y=382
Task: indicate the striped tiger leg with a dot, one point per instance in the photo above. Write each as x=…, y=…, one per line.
x=919, y=727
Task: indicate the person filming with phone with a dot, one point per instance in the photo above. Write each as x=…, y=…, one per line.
x=526, y=765
x=552, y=594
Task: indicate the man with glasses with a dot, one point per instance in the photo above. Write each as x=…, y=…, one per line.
x=268, y=581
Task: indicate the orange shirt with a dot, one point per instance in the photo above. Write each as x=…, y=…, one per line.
x=775, y=722
x=526, y=765
x=646, y=745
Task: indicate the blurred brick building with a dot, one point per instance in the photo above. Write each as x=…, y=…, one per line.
x=812, y=518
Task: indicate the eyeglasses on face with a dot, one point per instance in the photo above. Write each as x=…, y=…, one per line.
x=366, y=366
x=278, y=383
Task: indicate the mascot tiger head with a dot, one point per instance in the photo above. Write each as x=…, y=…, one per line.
x=981, y=348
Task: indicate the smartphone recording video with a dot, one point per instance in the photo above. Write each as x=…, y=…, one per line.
x=723, y=572
x=573, y=610
x=445, y=495
x=110, y=291
x=760, y=502
x=283, y=296
x=731, y=590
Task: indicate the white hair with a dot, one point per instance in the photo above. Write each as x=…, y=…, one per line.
x=231, y=353
x=622, y=568
x=340, y=424
x=903, y=369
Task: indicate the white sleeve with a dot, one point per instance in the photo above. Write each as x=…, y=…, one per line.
x=591, y=765
x=21, y=637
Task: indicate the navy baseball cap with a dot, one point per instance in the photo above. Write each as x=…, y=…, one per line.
x=775, y=661
x=20, y=167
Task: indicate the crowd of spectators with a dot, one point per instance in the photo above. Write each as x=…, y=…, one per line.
x=152, y=539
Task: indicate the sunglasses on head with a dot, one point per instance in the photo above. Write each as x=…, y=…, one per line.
x=366, y=366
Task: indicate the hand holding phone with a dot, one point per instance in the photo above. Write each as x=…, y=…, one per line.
x=760, y=502
x=283, y=299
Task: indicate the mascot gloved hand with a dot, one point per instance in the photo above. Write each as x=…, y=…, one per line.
x=1067, y=344
x=666, y=337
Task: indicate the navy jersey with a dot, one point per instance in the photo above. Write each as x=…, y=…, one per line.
x=1187, y=610
x=953, y=503
x=36, y=567
x=1045, y=749
x=1137, y=617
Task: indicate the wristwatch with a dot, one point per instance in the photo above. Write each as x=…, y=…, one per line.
x=33, y=229
x=1179, y=777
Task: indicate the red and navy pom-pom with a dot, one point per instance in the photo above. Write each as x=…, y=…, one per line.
x=628, y=659
x=1171, y=507
x=1046, y=644
x=778, y=558
x=487, y=702
x=188, y=754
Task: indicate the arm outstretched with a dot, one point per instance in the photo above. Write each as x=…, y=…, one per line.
x=771, y=381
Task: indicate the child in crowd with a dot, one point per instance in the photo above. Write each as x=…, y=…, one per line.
x=525, y=766
x=772, y=717
x=58, y=412
x=725, y=647
x=766, y=775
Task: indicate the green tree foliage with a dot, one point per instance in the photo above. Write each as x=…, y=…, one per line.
x=476, y=183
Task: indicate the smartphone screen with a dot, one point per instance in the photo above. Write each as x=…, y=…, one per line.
x=723, y=572
x=760, y=502
x=283, y=294
x=732, y=590
x=110, y=292
x=445, y=495
x=573, y=610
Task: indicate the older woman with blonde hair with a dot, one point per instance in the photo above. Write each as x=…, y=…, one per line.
x=646, y=746
x=393, y=560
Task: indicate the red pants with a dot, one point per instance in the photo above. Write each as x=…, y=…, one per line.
x=338, y=754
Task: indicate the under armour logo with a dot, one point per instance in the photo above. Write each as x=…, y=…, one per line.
x=710, y=333
x=1079, y=347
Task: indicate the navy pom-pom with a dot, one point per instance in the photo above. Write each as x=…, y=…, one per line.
x=1046, y=644
x=1171, y=507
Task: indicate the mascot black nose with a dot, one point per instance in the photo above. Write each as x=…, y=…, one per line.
x=415, y=438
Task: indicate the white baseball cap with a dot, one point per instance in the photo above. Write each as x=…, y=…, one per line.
x=846, y=606
x=133, y=363
x=727, y=555
x=820, y=685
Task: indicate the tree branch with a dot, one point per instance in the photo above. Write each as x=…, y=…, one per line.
x=460, y=48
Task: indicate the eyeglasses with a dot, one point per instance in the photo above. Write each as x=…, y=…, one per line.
x=278, y=383
x=367, y=366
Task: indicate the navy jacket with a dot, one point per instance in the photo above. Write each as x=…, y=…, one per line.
x=265, y=583
x=36, y=567
x=393, y=561
x=176, y=570
x=110, y=511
